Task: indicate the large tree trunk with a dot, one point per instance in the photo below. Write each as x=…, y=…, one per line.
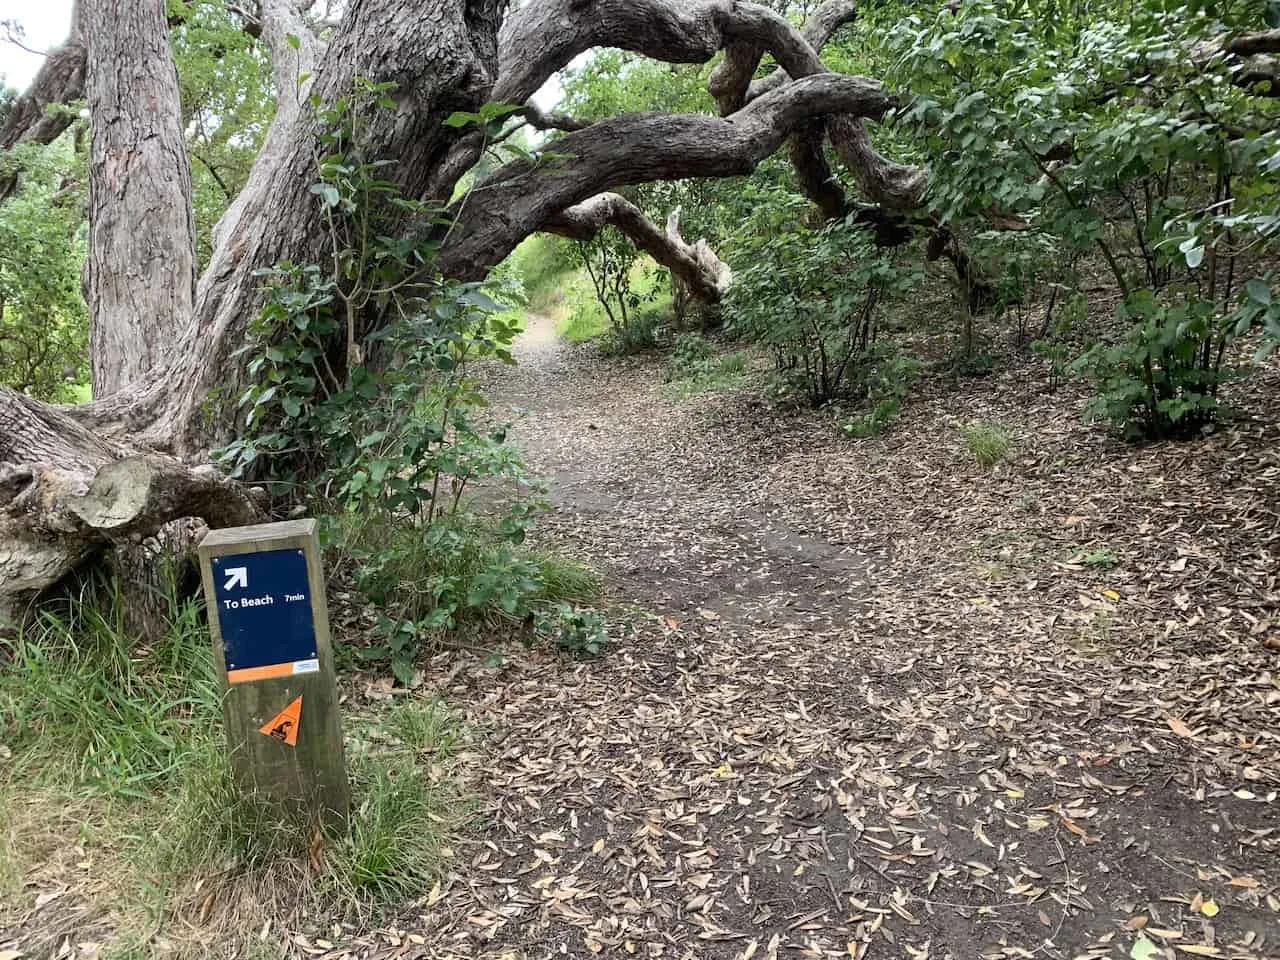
x=141, y=274
x=168, y=357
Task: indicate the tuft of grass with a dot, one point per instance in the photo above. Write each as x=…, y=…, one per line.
x=84, y=706
x=988, y=443
x=427, y=728
x=394, y=847
x=119, y=749
x=565, y=579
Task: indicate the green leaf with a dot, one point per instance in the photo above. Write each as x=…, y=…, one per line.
x=292, y=40
x=462, y=118
x=1258, y=292
x=403, y=669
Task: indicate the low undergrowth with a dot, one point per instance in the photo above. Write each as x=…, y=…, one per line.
x=695, y=367
x=636, y=322
x=453, y=580
x=117, y=795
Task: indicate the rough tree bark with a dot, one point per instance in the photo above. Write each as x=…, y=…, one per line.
x=695, y=265
x=141, y=274
x=60, y=81
x=75, y=481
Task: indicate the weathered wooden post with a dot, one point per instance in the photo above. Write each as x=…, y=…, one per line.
x=265, y=591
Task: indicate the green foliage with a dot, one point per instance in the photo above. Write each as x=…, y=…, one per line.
x=79, y=701
x=1110, y=144
x=228, y=101
x=453, y=573
x=644, y=330
x=690, y=357
x=127, y=742
x=576, y=632
x=988, y=443
x=1101, y=559
x=392, y=852
x=390, y=434
x=44, y=348
x=646, y=322
x=888, y=377
x=1055, y=344
x=1162, y=379
x=542, y=263
x=565, y=579
x=580, y=325
x=696, y=368
x=813, y=299
x=609, y=259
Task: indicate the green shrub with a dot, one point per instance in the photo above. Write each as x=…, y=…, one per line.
x=393, y=849
x=458, y=574
x=1161, y=381
x=580, y=325
x=1170, y=191
x=989, y=444
x=689, y=357
x=565, y=579
x=647, y=318
x=695, y=368
x=812, y=299
x=44, y=324
x=887, y=378
x=576, y=632
x=643, y=331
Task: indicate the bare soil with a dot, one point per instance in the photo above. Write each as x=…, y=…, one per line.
x=873, y=700
x=866, y=699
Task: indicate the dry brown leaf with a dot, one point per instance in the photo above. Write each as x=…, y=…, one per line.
x=1179, y=728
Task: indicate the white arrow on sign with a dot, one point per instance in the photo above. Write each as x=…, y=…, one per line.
x=236, y=577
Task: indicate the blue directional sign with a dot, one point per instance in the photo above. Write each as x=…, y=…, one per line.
x=264, y=612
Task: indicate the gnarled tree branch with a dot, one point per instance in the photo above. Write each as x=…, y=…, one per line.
x=60, y=81
x=731, y=83
x=705, y=274
x=641, y=148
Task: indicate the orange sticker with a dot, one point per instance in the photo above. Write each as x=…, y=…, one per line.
x=284, y=727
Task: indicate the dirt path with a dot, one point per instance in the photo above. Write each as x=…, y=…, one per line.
x=874, y=702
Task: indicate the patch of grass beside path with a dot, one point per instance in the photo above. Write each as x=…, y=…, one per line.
x=116, y=805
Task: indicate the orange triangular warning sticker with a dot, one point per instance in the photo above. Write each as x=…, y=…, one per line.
x=284, y=726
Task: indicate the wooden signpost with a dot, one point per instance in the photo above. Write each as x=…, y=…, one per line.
x=265, y=590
